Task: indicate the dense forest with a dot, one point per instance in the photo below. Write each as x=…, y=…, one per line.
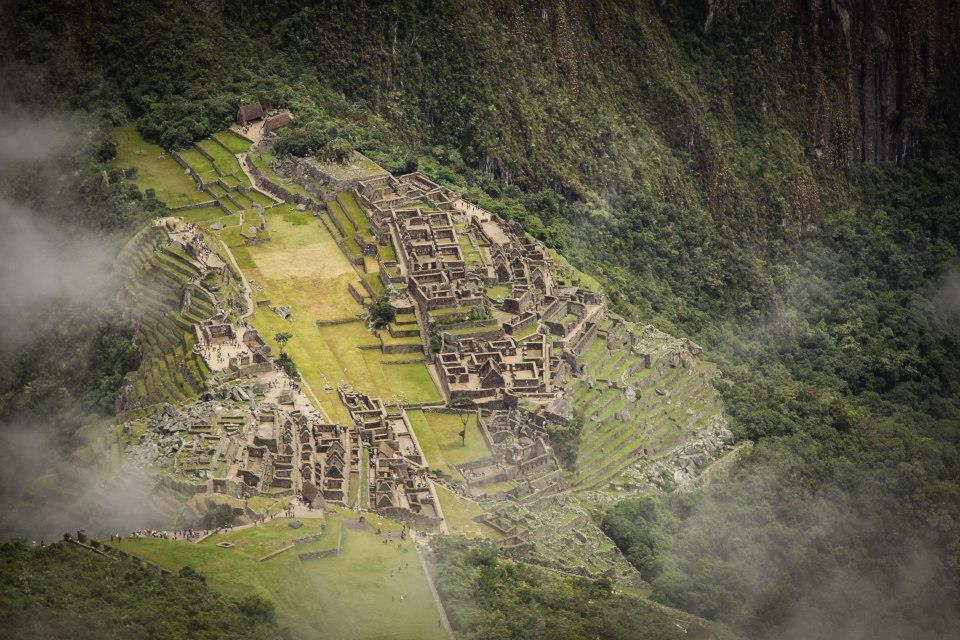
x=716, y=168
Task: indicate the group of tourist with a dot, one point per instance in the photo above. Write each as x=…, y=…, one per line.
x=176, y=534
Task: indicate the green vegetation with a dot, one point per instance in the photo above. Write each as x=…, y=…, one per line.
x=382, y=312
x=488, y=597
x=703, y=168
x=282, y=338
x=62, y=591
x=330, y=596
x=565, y=440
x=155, y=169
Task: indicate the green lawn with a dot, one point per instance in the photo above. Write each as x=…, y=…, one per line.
x=439, y=437
x=498, y=291
x=262, y=540
x=156, y=169
x=303, y=268
x=529, y=331
x=350, y=596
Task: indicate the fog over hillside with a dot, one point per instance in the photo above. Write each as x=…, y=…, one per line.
x=53, y=269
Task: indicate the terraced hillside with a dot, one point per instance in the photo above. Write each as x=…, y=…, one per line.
x=643, y=395
x=164, y=295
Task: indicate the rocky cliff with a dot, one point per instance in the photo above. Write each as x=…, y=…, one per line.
x=869, y=70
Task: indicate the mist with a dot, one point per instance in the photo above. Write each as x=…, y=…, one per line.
x=46, y=492
x=773, y=548
x=42, y=264
x=57, y=472
x=946, y=300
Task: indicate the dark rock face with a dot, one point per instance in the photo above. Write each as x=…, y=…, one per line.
x=872, y=69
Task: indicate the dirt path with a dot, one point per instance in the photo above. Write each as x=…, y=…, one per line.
x=242, y=158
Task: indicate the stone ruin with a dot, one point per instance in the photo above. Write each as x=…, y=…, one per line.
x=397, y=471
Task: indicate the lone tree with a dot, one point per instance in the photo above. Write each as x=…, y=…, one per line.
x=282, y=339
x=464, y=418
x=382, y=312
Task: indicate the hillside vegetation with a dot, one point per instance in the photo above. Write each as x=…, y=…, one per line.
x=777, y=180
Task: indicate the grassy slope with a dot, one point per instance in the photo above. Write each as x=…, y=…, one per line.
x=327, y=597
x=63, y=591
x=155, y=169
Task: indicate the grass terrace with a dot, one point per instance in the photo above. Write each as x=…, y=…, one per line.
x=529, y=331
x=233, y=142
x=459, y=515
x=259, y=198
x=471, y=255
x=225, y=162
x=469, y=331
x=493, y=488
x=200, y=164
x=356, y=213
x=209, y=215
x=156, y=169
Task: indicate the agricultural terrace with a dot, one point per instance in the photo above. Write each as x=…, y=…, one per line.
x=301, y=267
x=233, y=142
x=156, y=169
x=439, y=436
x=369, y=590
x=670, y=403
x=224, y=162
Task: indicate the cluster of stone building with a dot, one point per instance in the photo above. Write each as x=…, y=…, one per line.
x=493, y=350
x=396, y=469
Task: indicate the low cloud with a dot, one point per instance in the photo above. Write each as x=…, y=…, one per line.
x=946, y=300
x=45, y=493
x=41, y=265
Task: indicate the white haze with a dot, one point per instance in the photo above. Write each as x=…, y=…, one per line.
x=47, y=264
x=41, y=264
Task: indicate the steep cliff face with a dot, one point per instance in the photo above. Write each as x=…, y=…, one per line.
x=870, y=70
